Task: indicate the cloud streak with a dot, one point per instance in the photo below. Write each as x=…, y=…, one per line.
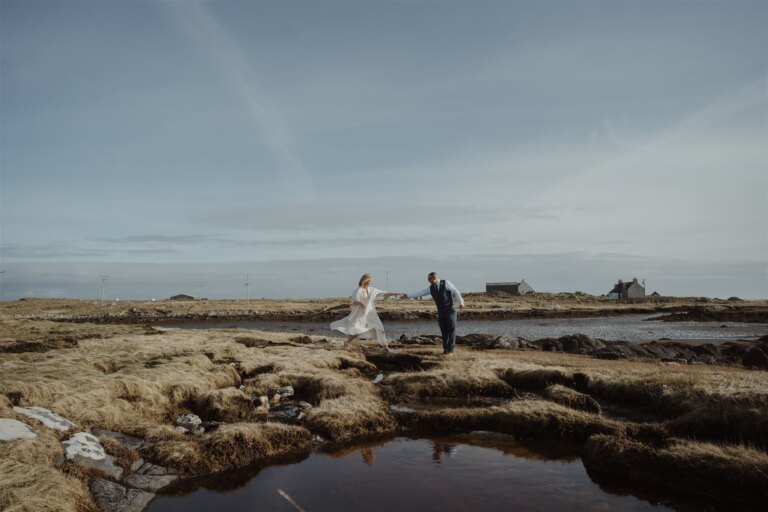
x=228, y=59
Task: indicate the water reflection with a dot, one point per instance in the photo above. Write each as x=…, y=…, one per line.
x=369, y=456
x=448, y=473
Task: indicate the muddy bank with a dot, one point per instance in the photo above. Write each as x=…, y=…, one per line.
x=479, y=306
x=742, y=353
x=170, y=405
x=729, y=314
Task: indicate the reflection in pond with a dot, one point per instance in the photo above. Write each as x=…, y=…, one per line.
x=478, y=471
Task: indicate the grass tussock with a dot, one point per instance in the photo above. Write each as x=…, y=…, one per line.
x=732, y=473
x=534, y=378
x=228, y=405
x=350, y=417
x=41, y=488
x=571, y=398
x=725, y=421
x=458, y=380
x=525, y=419
x=231, y=446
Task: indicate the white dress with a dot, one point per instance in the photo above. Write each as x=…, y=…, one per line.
x=363, y=321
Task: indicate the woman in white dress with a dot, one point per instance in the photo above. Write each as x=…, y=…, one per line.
x=363, y=322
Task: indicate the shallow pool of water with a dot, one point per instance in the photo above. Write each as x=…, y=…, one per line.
x=627, y=327
x=471, y=473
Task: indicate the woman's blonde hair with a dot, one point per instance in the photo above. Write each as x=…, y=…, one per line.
x=366, y=278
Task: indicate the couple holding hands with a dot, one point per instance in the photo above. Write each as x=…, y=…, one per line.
x=364, y=323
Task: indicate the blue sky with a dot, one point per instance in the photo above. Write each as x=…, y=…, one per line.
x=177, y=146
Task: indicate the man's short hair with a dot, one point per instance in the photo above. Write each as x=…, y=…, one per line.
x=431, y=274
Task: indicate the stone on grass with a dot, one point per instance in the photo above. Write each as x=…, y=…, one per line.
x=11, y=429
x=189, y=421
x=86, y=450
x=46, y=417
x=286, y=391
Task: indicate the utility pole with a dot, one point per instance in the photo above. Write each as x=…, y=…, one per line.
x=247, y=294
x=103, y=280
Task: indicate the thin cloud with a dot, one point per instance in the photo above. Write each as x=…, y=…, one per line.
x=228, y=59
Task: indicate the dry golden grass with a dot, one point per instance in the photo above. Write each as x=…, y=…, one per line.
x=230, y=446
x=571, y=398
x=134, y=380
x=734, y=473
x=29, y=480
x=525, y=419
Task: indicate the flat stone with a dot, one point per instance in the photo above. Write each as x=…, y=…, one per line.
x=131, y=442
x=150, y=483
x=147, y=468
x=136, y=465
x=11, y=429
x=85, y=449
x=112, y=497
x=46, y=417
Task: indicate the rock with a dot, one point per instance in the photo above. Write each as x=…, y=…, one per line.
x=577, y=342
x=136, y=465
x=11, y=429
x=755, y=357
x=131, y=442
x=607, y=353
x=707, y=349
x=112, y=497
x=379, y=378
x=264, y=401
x=286, y=391
x=305, y=406
x=286, y=415
x=46, y=417
x=147, y=468
x=150, y=483
x=421, y=340
x=189, y=421
x=86, y=450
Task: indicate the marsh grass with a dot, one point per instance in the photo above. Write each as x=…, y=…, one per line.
x=735, y=473
x=133, y=380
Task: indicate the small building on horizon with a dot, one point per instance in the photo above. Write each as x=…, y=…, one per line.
x=511, y=288
x=182, y=296
x=627, y=291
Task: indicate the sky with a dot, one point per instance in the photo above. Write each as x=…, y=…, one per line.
x=193, y=147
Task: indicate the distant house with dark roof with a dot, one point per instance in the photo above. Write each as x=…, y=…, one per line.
x=627, y=291
x=182, y=296
x=520, y=288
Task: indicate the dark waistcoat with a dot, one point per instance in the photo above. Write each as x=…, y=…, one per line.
x=443, y=297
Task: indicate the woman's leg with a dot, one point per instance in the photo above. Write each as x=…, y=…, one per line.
x=349, y=340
